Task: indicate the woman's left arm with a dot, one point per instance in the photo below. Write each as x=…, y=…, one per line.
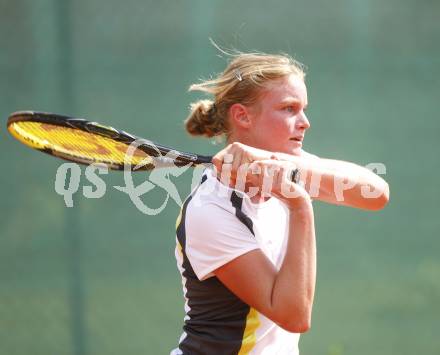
x=339, y=182
x=332, y=181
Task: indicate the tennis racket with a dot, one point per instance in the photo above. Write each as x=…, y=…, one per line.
x=86, y=142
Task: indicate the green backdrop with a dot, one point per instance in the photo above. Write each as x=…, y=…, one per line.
x=101, y=278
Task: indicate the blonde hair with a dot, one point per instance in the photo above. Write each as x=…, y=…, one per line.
x=241, y=82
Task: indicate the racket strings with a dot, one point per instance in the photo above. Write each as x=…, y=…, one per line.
x=75, y=143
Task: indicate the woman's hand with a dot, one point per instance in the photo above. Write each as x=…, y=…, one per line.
x=233, y=165
x=273, y=178
x=240, y=166
x=238, y=154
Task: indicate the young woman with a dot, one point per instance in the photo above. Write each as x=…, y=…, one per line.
x=245, y=236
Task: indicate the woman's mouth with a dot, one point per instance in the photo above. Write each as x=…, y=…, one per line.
x=297, y=139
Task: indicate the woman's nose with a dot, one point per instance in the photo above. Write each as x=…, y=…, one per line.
x=303, y=121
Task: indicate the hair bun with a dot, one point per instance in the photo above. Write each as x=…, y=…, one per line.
x=203, y=120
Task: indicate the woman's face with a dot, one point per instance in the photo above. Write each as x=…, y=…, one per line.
x=279, y=122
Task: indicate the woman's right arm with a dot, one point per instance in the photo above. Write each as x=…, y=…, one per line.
x=286, y=295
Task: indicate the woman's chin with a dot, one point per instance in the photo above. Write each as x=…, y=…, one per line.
x=295, y=151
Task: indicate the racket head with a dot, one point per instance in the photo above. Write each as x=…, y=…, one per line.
x=86, y=142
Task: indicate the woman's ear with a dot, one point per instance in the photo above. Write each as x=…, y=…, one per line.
x=240, y=115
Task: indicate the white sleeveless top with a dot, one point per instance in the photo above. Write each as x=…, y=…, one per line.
x=216, y=225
